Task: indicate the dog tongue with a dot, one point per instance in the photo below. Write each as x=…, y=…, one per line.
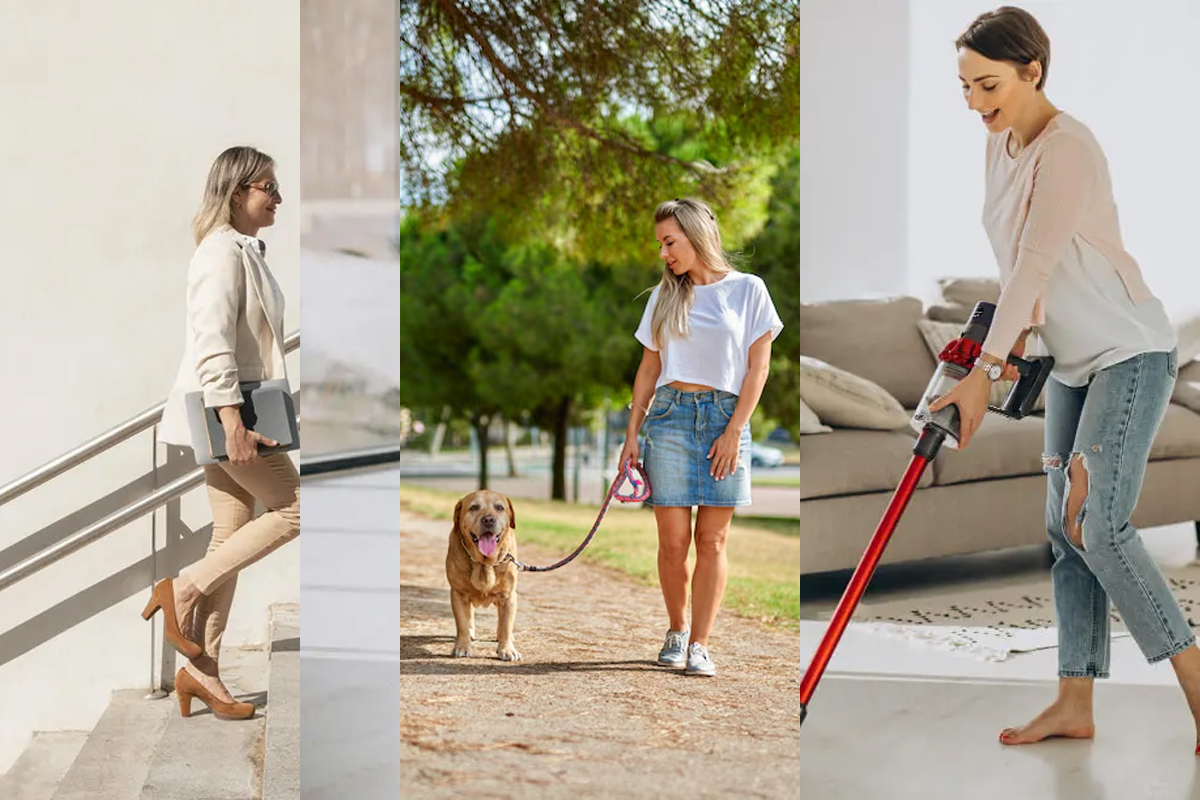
x=487, y=544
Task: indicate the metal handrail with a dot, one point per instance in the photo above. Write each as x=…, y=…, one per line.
x=350, y=459
x=86, y=451
x=118, y=519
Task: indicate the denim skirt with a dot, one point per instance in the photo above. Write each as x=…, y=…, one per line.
x=680, y=429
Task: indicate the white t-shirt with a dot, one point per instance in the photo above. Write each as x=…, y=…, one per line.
x=727, y=317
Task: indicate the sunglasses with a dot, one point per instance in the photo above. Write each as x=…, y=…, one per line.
x=270, y=187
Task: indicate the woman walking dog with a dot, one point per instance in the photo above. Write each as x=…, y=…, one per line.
x=234, y=334
x=706, y=334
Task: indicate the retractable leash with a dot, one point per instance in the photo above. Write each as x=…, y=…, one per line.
x=640, y=490
x=936, y=429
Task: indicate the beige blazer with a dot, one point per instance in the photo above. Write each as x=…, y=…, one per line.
x=234, y=327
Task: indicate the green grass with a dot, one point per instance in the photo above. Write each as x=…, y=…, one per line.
x=780, y=525
x=763, y=553
x=759, y=479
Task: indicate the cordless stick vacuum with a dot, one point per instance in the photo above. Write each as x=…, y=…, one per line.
x=935, y=429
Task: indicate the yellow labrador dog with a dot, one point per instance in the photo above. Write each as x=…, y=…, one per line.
x=477, y=570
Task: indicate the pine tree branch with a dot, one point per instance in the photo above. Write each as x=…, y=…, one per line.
x=462, y=19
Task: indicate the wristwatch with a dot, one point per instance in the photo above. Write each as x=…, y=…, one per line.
x=993, y=371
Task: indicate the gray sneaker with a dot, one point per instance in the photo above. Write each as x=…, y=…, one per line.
x=698, y=662
x=674, y=652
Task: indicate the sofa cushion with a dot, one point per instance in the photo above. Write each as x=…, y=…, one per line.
x=846, y=400
x=1187, y=394
x=1189, y=370
x=949, y=312
x=875, y=339
x=1178, y=435
x=1187, y=334
x=810, y=422
x=969, y=291
x=1001, y=448
x=855, y=462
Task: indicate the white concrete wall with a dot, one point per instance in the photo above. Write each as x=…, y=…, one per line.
x=853, y=150
x=351, y=186
x=112, y=114
x=348, y=120
x=1121, y=73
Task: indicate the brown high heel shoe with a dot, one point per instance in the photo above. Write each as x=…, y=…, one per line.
x=187, y=687
x=163, y=596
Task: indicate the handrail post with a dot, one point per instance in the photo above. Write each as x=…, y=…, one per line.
x=157, y=692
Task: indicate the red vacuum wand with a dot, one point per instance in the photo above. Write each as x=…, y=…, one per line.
x=935, y=429
x=930, y=442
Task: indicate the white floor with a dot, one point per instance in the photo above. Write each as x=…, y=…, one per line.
x=899, y=719
x=919, y=740
x=350, y=645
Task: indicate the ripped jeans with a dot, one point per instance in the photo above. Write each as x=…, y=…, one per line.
x=1101, y=434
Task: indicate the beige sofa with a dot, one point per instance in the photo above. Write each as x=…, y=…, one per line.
x=987, y=497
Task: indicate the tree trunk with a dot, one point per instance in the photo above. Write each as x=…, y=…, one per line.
x=481, y=433
x=439, y=433
x=510, y=433
x=558, y=490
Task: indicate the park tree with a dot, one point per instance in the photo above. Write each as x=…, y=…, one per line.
x=572, y=120
x=494, y=328
x=774, y=255
x=444, y=283
x=536, y=140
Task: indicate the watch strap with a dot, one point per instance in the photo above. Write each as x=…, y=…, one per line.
x=991, y=370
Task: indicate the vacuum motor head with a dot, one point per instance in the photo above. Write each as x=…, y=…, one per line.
x=1019, y=403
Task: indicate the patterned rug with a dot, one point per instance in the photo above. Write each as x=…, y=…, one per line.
x=1025, y=606
x=993, y=624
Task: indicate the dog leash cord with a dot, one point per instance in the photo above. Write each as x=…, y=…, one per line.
x=640, y=491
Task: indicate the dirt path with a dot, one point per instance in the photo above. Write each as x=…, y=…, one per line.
x=586, y=712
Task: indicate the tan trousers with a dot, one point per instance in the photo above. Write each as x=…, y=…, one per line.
x=238, y=539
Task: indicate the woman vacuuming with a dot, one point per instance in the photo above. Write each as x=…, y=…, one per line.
x=1052, y=222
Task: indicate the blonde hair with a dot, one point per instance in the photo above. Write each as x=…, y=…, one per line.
x=676, y=293
x=233, y=170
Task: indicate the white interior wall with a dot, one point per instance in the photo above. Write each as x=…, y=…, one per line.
x=112, y=115
x=853, y=148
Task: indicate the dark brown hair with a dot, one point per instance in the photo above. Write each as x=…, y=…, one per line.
x=1009, y=34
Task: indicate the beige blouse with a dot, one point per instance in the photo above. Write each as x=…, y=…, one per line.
x=1052, y=199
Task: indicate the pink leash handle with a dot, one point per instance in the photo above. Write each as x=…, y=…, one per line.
x=627, y=474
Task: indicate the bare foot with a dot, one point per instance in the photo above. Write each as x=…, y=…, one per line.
x=206, y=674
x=1187, y=669
x=1061, y=718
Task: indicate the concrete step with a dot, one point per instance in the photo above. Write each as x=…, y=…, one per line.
x=41, y=767
x=116, y=756
x=281, y=756
x=144, y=750
x=205, y=758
